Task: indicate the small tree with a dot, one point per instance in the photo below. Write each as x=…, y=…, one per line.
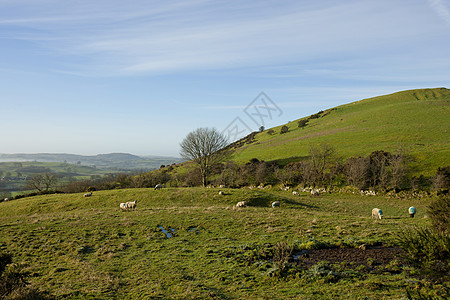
x=205, y=147
x=284, y=129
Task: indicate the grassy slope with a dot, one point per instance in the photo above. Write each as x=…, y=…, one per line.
x=86, y=247
x=417, y=121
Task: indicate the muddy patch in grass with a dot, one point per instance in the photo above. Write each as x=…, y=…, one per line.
x=370, y=256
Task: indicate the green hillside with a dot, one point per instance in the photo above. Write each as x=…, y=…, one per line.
x=416, y=121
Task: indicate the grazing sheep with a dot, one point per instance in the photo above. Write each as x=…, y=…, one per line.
x=123, y=206
x=6, y=199
x=241, y=204
x=88, y=194
x=412, y=211
x=377, y=213
x=158, y=186
x=221, y=193
x=275, y=204
x=295, y=193
x=314, y=192
x=131, y=205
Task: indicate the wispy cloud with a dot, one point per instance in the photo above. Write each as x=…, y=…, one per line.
x=150, y=37
x=441, y=8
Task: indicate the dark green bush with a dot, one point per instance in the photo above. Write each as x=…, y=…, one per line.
x=13, y=281
x=426, y=250
x=439, y=211
x=302, y=123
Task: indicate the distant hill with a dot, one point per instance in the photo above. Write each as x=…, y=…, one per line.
x=123, y=161
x=417, y=121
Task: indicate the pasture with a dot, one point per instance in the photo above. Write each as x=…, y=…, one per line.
x=192, y=243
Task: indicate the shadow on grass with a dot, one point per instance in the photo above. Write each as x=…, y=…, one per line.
x=285, y=161
x=265, y=200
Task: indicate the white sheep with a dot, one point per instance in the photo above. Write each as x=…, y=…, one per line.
x=275, y=204
x=131, y=205
x=314, y=192
x=158, y=186
x=295, y=193
x=412, y=211
x=221, y=193
x=241, y=204
x=377, y=213
x=6, y=199
x=88, y=194
x=123, y=206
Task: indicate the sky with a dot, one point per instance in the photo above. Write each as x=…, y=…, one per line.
x=103, y=76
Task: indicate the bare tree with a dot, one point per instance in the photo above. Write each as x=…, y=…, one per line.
x=321, y=158
x=42, y=182
x=205, y=147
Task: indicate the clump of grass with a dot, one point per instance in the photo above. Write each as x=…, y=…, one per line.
x=282, y=254
x=322, y=271
x=313, y=244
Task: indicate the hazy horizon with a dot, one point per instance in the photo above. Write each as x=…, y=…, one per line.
x=92, y=154
x=91, y=77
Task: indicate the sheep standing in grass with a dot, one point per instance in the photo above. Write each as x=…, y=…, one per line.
x=221, y=193
x=275, y=204
x=158, y=186
x=295, y=193
x=131, y=205
x=377, y=213
x=6, y=199
x=241, y=204
x=412, y=211
x=123, y=206
x=88, y=194
x=314, y=192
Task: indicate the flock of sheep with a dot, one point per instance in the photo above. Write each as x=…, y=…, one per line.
x=376, y=212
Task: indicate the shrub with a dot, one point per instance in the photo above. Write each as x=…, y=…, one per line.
x=282, y=254
x=284, y=129
x=439, y=211
x=441, y=182
x=426, y=250
x=13, y=281
x=302, y=123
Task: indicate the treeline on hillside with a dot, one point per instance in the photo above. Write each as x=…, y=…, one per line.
x=379, y=171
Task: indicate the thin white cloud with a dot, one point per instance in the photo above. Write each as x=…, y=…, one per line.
x=152, y=37
x=441, y=8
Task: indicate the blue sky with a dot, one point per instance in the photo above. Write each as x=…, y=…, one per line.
x=136, y=76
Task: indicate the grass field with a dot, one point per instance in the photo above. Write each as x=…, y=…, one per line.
x=82, y=248
x=415, y=121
